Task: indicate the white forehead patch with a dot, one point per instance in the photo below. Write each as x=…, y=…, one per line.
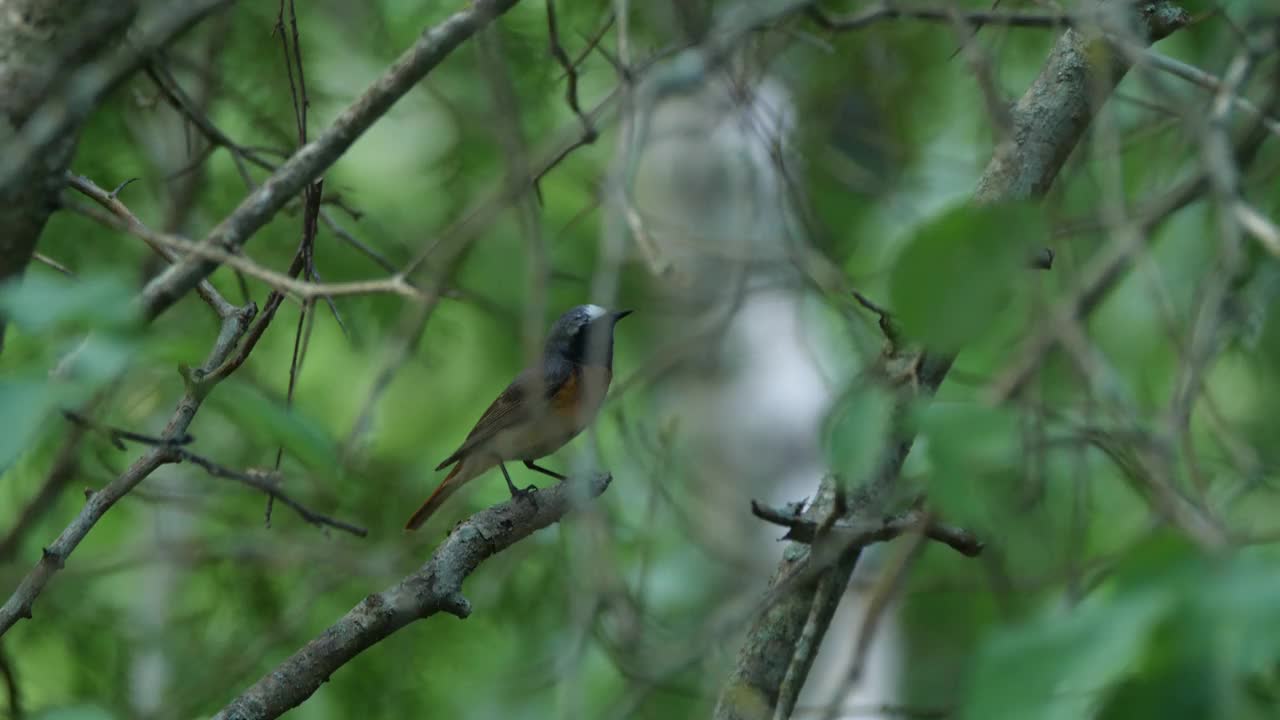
x=594, y=311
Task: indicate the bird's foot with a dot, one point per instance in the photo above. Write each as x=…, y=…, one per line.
x=526, y=493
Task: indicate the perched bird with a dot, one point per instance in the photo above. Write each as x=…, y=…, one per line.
x=545, y=407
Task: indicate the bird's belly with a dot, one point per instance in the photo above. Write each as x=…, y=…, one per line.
x=532, y=440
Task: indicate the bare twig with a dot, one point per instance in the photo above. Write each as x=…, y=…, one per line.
x=124, y=219
x=285, y=283
x=435, y=587
x=589, y=133
x=311, y=195
x=46, y=260
x=304, y=166
x=117, y=436
x=267, y=483
x=861, y=534
x=1208, y=81
x=51, y=121
x=19, y=604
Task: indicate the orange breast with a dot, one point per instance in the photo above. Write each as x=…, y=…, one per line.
x=582, y=394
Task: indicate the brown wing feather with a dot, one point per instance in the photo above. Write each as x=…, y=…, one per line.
x=512, y=406
x=506, y=410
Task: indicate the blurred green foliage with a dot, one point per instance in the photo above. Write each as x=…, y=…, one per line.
x=180, y=598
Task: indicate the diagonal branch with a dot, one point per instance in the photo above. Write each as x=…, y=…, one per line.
x=311, y=160
x=18, y=606
x=435, y=587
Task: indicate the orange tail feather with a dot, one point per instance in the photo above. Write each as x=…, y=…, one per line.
x=437, y=499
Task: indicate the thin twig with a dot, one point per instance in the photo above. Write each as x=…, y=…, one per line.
x=117, y=436
x=286, y=284
x=46, y=260
x=861, y=534
x=975, y=19
x=267, y=483
x=307, y=164
x=53, y=557
x=589, y=133
x=124, y=219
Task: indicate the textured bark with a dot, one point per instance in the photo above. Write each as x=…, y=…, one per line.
x=41, y=43
x=435, y=587
x=1047, y=123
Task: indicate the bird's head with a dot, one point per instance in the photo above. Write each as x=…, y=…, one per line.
x=584, y=335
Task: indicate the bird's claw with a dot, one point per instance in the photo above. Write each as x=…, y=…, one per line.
x=525, y=493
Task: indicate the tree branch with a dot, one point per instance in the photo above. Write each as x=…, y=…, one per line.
x=435, y=587
x=858, y=534
x=42, y=43
x=1048, y=122
x=19, y=604
x=268, y=483
x=311, y=160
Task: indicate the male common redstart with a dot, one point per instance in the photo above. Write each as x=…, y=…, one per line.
x=545, y=407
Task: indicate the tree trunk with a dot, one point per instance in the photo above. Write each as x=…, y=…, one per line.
x=43, y=43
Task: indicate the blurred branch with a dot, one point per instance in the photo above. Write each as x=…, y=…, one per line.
x=266, y=482
x=1107, y=267
x=128, y=222
x=1208, y=81
x=61, y=112
x=944, y=15
x=862, y=533
x=51, y=85
x=41, y=43
x=53, y=557
x=305, y=259
x=46, y=260
x=286, y=284
x=589, y=133
x=117, y=436
x=435, y=587
x=11, y=686
x=1048, y=122
x=310, y=161
x=242, y=154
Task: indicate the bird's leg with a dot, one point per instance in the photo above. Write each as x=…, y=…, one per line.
x=535, y=466
x=515, y=491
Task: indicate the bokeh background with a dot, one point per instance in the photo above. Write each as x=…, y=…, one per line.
x=734, y=208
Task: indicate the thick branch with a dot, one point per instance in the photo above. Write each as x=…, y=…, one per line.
x=435, y=587
x=311, y=160
x=1048, y=122
x=38, y=39
x=51, y=83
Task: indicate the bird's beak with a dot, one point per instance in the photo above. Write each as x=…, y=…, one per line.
x=619, y=314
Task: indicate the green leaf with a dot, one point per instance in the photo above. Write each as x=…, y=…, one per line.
x=267, y=419
x=24, y=404
x=967, y=445
x=44, y=302
x=857, y=430
x=959, y=270
x=1058, y=666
